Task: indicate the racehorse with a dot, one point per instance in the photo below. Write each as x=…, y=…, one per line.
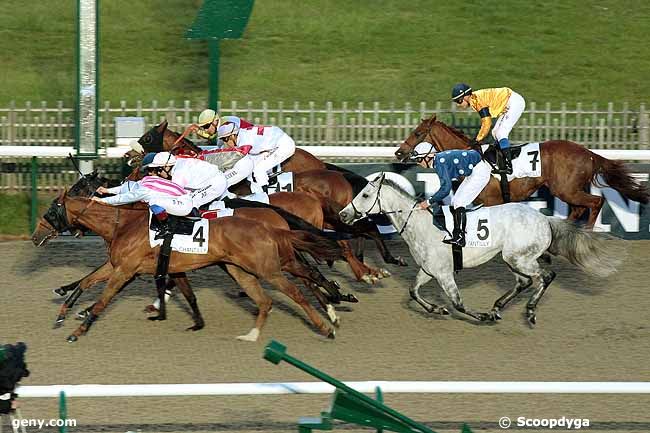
x=518, y=231
x=126, y=229
x=309, y=175
x=567, y=170
x=270, y=218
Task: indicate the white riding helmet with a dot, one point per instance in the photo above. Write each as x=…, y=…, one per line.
x=423, y=149
x=227, y=130
x=162, y=159
x=208, y=116
x=136, y=146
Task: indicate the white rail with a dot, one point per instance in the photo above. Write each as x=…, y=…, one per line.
x=319, y=151
x=177, y=390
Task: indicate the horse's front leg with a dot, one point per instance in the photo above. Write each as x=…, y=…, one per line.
x=116, y=282
x=185, y=288
x=100, y=274
x=448, y=284
x=421, y=279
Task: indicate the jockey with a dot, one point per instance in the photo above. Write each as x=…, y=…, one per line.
x=163, y=196
x=270, y=147
x=206, y=127
x=204, y=181
x=451, y=165
x=502, y=103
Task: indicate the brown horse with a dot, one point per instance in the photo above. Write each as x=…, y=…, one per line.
x=231, y=238
x=270, y=218
x=567, y=170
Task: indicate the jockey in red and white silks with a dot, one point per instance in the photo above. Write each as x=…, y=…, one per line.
x=270, y=147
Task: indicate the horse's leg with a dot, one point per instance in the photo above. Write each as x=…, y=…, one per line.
x=522, y=283
x=100, y=274
x=63, y=290
x=116, y=282
x=288, y=288
x=184, y=286
x=546, y=278
x=360, y=270
x=331, y=287
x=421, y=279
x=448, y=284
x=254, y=290
x=369, y=229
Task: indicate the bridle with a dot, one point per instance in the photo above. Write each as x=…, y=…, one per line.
x=358, y=214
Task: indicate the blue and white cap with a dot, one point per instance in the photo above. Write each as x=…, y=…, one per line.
x=227, y=130
x=423, y=149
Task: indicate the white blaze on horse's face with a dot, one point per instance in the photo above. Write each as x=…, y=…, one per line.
x=365, y=203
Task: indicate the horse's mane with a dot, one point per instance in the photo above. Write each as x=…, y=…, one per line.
x=398, y=188
x=457, y=132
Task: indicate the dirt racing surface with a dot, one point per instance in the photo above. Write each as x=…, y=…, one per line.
x=588, y=329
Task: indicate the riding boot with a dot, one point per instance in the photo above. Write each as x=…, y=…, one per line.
x=460, y=223
x=507, y=160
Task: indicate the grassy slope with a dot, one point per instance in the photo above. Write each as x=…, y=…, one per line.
x=365, y=50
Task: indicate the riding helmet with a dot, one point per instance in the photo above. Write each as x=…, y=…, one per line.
x=460, y=90
x=208, y=116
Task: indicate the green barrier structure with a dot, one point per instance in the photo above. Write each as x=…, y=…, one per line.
x=63, y=412
x=348, y=404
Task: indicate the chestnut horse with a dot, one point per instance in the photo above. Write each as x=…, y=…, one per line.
x=126, y=230
x=567, y=170
x=270, y=218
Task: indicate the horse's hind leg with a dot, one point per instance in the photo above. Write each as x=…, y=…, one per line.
x=184, y=286
x=290, y=289
x=369, y=229
x=254, y=290
x=448, y=284
x=522, y=283
x=421, y=279
x=581, y=199
x=546, y=278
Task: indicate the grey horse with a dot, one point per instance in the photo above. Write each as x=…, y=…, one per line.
x=518, y=231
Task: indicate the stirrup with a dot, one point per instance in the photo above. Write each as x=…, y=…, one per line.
x=455, y=240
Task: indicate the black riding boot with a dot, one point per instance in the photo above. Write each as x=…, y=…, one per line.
x=460, y=223
x=507, y=160
x=164, y=229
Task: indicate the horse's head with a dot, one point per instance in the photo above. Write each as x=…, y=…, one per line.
x=55, y=220
x=421, y=133
x=152, y=140
x=365, y=203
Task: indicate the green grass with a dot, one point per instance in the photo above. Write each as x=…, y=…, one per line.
x=15, y=212
x=338, y=50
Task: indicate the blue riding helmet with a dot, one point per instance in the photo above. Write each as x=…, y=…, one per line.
x=148, y=159
x=460, y=90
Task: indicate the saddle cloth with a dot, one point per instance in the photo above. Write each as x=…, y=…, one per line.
x=526, y=161
x=190, y=236
x=478, y=232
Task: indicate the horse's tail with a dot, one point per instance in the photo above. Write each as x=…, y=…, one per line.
x=319, y=247
x=594, y=253
x=618, y=177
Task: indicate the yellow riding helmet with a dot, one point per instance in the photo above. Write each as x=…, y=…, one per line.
x=208, y=116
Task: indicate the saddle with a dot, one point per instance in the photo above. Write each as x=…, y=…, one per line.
x=177, y=225
x=490, y=155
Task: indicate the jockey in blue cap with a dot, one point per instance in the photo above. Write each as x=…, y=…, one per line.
x=451, y=165
x=502, y=103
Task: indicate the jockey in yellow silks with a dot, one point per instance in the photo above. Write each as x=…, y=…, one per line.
x=502, y=103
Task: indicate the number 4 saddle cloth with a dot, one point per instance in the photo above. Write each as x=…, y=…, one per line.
x=478, y=230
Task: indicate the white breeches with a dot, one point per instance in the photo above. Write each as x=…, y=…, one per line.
x=472, y=185
x=213, y=191
x=506, y=121
x=285, y=148
x=240, y=171
x=179, y=206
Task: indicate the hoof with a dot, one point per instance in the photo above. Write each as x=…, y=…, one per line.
x=332, y=334
x=72, y=338
x=82, y=315
x=158, y=317
x=383, y=273
x=496, y=314
x=150, y=309
x=443, y=311
x=58, y=322
x=195, y=327
x=251, y=336
x=401, y=261
x=349, y=297
x=61, y=292
x=367, y=279
x=532, y=318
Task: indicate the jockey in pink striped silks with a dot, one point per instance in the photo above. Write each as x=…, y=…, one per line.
x=153, y=190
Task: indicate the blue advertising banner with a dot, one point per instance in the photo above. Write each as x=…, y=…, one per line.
x=620, y=217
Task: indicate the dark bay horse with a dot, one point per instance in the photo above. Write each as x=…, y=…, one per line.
x=310, y=175
x=126, y=230
x=567, y=170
